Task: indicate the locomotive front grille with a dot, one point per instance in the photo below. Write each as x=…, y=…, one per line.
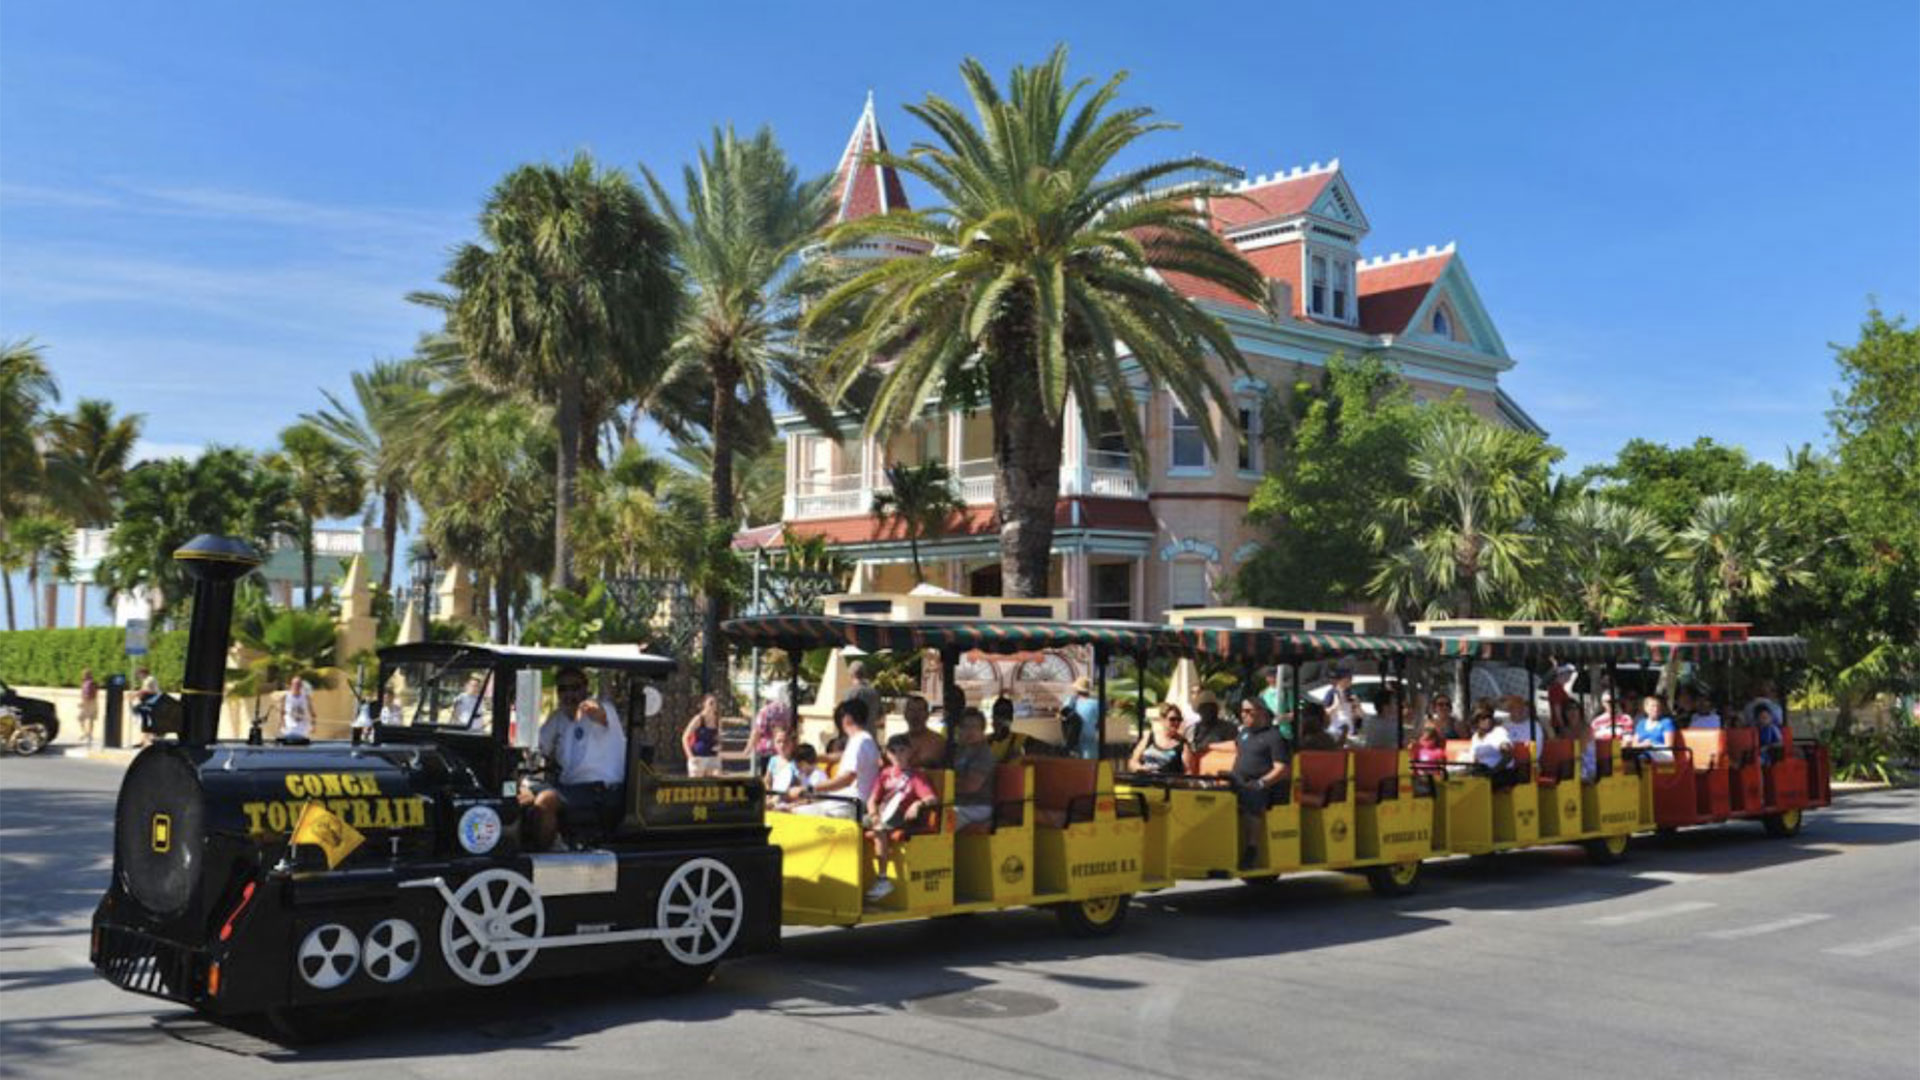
x=144, y=964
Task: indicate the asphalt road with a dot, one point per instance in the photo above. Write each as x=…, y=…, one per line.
x=1711, y=953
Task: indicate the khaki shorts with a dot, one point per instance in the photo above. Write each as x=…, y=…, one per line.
x=703, y=766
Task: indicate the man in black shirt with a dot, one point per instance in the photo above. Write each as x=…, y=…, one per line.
x=1259, y=766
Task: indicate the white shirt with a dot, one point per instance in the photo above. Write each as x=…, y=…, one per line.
x=296, y=717
x=556, y=722
x=1705, y=722
x=862, y=755
x=1488, y=749
x=1340, y=710
x=592, y=753
x=470, y=711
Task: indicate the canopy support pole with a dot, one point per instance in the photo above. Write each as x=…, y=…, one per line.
x=1100, y=699
x=953, y=700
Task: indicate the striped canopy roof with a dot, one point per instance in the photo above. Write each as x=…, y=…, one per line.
x=1529, y=648
x=1759, y=648
x=1288, y=646
x=989, y=635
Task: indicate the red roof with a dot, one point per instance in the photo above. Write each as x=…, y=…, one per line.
x=1391, y=292
x=1279, y=198
x=860, y=188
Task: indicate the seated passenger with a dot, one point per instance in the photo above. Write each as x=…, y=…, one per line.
x=852, y=784
x=1493, y=749
x=792, y=772
x=929, y=748
x=1430, y=748
x=1006, y=743
x=1771, y=735
x=470, y=708
x=973, y=766
x=1161, y=751
x=591, y=753
x=1589, y=750
x=1706, y=714
x=899, y=797
x=1381, y=731
x=1571, y=719
x=1313, y=729
x=1259, y=765
x=1209, y=732
x=1653, y=733
x=1611, y=722
x=1764, y=701
x=1440, y=712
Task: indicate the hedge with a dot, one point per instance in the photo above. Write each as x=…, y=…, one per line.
x=56, y=657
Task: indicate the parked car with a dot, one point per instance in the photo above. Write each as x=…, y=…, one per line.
x=23, y=713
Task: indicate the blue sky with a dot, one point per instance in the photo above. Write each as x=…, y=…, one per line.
x=207, y=211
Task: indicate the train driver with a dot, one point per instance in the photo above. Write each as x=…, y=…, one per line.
x=592, y=754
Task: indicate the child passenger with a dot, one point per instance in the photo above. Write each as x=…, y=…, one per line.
x=900, y=797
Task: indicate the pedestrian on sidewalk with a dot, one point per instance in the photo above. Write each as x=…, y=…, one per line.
x=89, y=706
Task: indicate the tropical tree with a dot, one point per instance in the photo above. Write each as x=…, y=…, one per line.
x=1603, y=561
x=378, y=428
x=1041, y=276
x=759, y=475
x=27, y=388
x=41, y=541
x=324, y=480
x=277, y=645
x=486, y=494
x=570, y=299
x=88, y=453
x=164, y=504
x=1731, y=558
x=1463, y=535
x=919, y=500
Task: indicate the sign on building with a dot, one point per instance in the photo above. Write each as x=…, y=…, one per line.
x=136, y=637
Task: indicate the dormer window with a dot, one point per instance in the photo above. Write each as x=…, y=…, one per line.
x=1442, y=326
x=1319, y=285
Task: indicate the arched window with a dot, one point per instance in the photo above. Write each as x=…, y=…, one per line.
x=1442, y=325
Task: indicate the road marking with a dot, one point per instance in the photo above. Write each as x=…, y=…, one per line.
x=1627, y=918
x=1868, y=948
x=1756, y=930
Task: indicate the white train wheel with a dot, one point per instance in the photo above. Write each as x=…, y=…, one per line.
x=391, y=950
x=702, y=897
x=487, y=931
x=328, y=956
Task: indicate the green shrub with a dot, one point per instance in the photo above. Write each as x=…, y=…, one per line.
x=57, y=657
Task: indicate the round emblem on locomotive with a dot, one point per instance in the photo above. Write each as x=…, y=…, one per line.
x=328, y=956
x=1571, y=808
x=391, y=950
x=1339, y=829
x=479, y=829
x=1012, y=870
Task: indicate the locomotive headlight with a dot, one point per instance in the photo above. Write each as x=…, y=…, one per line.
x=479, y=829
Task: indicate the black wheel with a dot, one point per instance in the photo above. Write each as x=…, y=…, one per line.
x=306, y=1025
x=29, y=739
x=1399, y=879
x=1097, y=917
x=1606, y=850
x=1783, y=824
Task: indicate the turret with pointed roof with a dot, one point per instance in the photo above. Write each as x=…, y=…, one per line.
x=863, y=187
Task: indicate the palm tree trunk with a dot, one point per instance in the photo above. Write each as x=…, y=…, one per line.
x=1026, y=476
x=306, y=558
x=33, y=591
x=567, y=420
x=502, y=610
x=6, y=576
x=913, y=545
x=726, y=379
x=389, y=534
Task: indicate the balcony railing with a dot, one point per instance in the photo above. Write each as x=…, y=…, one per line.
x=1105, y=475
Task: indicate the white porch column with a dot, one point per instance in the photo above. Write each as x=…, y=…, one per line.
x=956, y=440
x=80, y=604
x=869, y=472
x=1074, y=581
x=789, y=497
x=1073, y=455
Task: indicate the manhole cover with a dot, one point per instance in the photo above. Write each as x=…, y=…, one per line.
x=516, y=1029
x=985, y=1004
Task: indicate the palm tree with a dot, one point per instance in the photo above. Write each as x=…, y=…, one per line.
x=1731, y=557
x=89, y=452
x=570, y=299
x=746, y=215
x=278, y=645
x=759, y=475
x=377, y=429
x=1462, y=535
x=1603, y=560
x=27, y=387
x=40, y=540
x=325, y=480
x=1041, y=279
x=486, y=494
x=920, y=499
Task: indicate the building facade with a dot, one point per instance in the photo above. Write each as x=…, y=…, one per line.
x=1127, y=546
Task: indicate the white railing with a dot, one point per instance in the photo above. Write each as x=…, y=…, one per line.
x=1106, y=474
x=1109, y=483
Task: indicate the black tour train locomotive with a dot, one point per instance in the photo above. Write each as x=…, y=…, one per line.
x=302, y=879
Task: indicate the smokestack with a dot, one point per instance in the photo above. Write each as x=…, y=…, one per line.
x=214, y=563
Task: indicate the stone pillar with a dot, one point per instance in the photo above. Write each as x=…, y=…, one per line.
x=1076, y=584
x=456, y=599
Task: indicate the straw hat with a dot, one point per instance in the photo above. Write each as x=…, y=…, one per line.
x=1082, y=685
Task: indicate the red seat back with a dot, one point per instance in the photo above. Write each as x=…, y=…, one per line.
x=1709, y=748
x=1556, y=759
x=1743, y=746
x=1058, y=782
x=1373, y=769
x=1322, y=772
